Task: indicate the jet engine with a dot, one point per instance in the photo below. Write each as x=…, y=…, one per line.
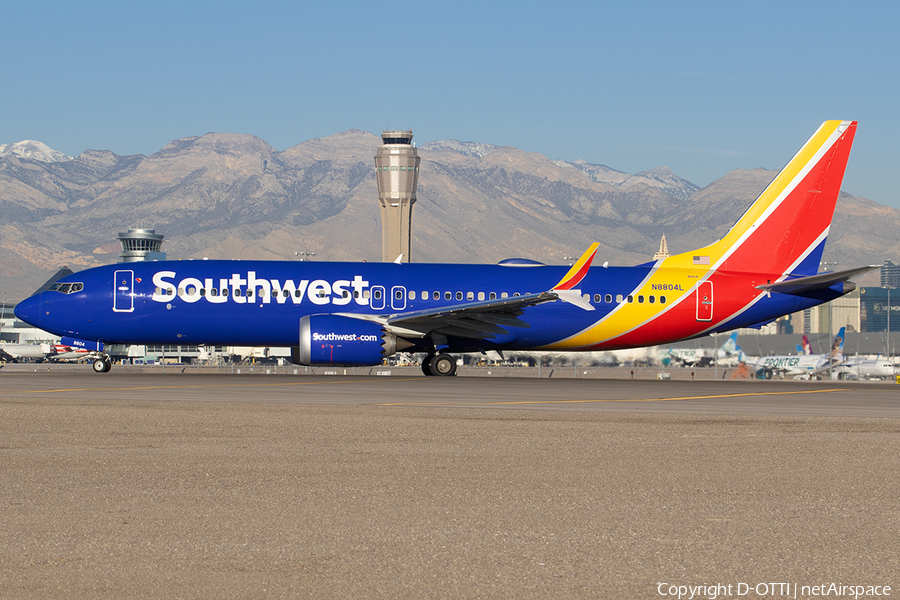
x=335, y=340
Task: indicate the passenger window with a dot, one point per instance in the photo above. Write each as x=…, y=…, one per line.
x=630, y=298
x=202, y=291
x=493, y=296
x=377, y=295
x=459, y=295
x=515, y=294
x=481, y=295
x=436, y=296
x=652, y=299
x=366, y=294
x=640, y=299
x=504, y=295
x=662, y=299
x=158, y=291
x=608, y=298
x=448, y=296
x=296, y=293
x=596, y=298
x=470, y=296
x=398, y=294
x=345, y=294
x=250, y=293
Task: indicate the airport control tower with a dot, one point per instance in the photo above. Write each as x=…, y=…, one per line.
x=141, y=244
x=397, y=173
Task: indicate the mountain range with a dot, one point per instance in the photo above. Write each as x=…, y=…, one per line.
x=223, y=195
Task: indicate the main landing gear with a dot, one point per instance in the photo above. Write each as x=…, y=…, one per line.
x=102, y=364
x=442, y=365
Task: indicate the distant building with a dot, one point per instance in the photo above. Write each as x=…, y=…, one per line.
x=878, y=305
x=845, y=311
x=141, y=244
x=890, y=274
x=663, y=249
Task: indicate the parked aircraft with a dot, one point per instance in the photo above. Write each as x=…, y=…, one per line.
x=359, y=313
x=62, y=352
x=54, y=352
x=808, y=365
x=864, y=368
x=16, y=352
x=728, y=353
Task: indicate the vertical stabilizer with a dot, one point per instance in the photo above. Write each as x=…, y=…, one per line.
x=784, y=230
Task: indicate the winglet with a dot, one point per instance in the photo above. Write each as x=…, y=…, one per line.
x=578, y=270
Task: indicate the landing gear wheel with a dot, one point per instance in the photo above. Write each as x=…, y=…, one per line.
x=426, y=365
x=443, y=365
x=102, y=365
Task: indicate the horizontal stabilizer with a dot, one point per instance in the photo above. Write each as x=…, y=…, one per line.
x=821, y=281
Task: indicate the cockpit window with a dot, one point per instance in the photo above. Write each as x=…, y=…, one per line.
x=66, y=288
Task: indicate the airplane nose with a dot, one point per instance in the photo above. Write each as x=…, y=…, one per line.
x=29, y=310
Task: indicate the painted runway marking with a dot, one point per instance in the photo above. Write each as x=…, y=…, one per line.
x=590, y=401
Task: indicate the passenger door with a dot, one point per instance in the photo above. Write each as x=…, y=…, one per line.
x=705, y=301
x=123, y=294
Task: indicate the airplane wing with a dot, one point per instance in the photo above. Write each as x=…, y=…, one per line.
x=488, y=318
x=473, y=320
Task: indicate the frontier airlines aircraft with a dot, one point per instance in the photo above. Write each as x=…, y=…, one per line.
x=359, y=313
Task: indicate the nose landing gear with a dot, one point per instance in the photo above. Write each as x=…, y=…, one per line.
x=102, y=364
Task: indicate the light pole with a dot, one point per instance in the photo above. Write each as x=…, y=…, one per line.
x=825, y=264
x=889, y=288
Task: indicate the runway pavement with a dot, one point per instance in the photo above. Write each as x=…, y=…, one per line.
x=190, y=485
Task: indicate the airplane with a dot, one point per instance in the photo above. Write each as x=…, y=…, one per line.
x=807, y=365
x=53, y=352
x=356, y=314
x=16, y=352
x=727, y=353
x=868, y=368
x=62, y=352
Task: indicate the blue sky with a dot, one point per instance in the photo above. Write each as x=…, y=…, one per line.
x=701, y=87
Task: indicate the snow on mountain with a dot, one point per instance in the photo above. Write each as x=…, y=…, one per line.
x=33, y=150
x=477, y=149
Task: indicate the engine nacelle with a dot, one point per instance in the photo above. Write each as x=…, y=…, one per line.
x=333, y=340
